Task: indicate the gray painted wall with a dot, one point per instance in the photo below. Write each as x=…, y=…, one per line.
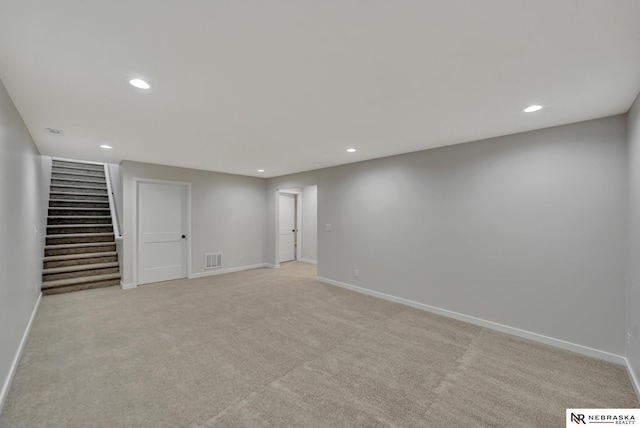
x=228, y=214
x=633, y=279
x=310, y=223
x=21, y=248
x=526, y=230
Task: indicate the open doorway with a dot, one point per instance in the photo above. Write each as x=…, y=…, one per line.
x=296, y=228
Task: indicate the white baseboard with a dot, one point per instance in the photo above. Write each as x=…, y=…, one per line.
x=635, y=382
x=580, y=349
x=269, y=265
x=16, y=359
x=313, y=262
x=228, y=270
x=128, y=286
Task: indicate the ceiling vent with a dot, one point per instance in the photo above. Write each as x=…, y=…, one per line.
x=54, y=131
x=213, y=260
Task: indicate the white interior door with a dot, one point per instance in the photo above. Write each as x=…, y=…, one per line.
x=287, y=210
x=162, y=254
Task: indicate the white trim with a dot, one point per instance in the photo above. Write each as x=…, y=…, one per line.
x=228, y=270
x=128, y=286
x=313, y=262
x=77, y=161
x=134, y=223
x=635, y=382
x=269, y=265
x=16, y=359
x=580, y=349
x=208, y=273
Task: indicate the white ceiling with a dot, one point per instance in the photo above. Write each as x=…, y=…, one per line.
x=287, y=86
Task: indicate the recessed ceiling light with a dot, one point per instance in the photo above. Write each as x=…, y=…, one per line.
x=532, y=108
x=106, y=146
x=352, y=150
x=139, y=83
x=261, y=170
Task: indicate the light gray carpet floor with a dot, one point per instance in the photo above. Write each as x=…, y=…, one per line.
x=273, y=347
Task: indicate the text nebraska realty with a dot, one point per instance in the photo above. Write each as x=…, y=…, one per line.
x=615, y=419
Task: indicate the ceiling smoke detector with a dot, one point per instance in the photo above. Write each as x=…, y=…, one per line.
x=54, y=131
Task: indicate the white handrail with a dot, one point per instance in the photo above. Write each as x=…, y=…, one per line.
x=112, y=206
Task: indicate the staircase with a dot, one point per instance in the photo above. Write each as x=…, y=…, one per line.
x=80, y=251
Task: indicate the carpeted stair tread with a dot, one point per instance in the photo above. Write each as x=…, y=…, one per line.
x=78, y=248
x=66, y=229
x=65, y=169
x=78, y=219
x=68, y=169
x=75, y=194
x=70, y=230
x=80, y=280
x=79, y=225
x=79, y=235
x=81, y=287
x=79, y=256
x=78, y=204
x=71, y=209
x=79, y=238
x=77, y=172
x=85, y=179
x=79, y=164
x=85, y=201
x=75, y=268
x=102, y=197
x=75, y=187
x=78, y=184
x=62, y=211
x=78, y=177
x=87, y=244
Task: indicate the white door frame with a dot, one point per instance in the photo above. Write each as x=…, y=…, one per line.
x=298, y=192
x=134, y=217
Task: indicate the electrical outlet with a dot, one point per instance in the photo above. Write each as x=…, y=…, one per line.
x=356, y=273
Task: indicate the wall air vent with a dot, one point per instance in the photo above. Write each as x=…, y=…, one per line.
x=54, y=131
x=213, y=260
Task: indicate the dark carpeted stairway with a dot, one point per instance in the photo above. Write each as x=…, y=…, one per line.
x=80, y=251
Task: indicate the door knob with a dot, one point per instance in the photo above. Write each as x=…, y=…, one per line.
x=183, y=236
